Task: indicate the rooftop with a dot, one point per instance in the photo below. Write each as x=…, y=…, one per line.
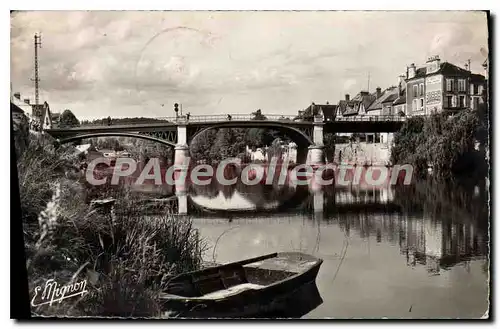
x=445, y=68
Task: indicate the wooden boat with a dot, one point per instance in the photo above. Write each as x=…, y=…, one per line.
x=253, y=287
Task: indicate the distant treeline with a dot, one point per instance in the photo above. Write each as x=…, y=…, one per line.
x=121, y=121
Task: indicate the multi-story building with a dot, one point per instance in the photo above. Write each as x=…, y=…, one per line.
x=442, y=86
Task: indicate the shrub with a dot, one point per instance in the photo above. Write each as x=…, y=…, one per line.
x=125, y=256
x=444, y=142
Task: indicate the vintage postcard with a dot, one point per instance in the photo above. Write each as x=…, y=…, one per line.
x=252, y=164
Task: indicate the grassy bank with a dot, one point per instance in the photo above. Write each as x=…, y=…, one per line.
x=125, y=256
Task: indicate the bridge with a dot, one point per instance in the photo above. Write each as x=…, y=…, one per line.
x=180, y=131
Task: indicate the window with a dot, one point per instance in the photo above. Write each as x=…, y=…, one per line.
x=448, y=101
x=421, y=89
x=475, y=103
x=415, y=91
x=421, y=104
x=414, y=105
x=479, y=89
x=462, y=101
x=449, y=84
x=454, y=101
x=462, y=85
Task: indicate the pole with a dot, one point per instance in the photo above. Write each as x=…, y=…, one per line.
x=38, y=43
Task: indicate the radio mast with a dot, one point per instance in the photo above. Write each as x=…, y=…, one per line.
x=38, y=43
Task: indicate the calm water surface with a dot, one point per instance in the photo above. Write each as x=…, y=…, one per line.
x=392, y=252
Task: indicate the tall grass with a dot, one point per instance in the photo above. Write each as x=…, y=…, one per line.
x=125, y=256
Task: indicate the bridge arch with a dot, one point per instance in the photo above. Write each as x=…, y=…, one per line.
x=114, y=134
x=298, y=136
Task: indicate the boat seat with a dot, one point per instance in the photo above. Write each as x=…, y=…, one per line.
x=232, y=290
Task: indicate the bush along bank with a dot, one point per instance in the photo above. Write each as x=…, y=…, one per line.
x=124, y=256
x=454, y=146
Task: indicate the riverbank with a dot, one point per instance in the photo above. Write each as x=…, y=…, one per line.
x=124, y=258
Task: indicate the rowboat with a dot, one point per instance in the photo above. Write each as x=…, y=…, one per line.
x=274, y=285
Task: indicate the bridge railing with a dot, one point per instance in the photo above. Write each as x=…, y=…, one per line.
x=227, y=117
x=249, y=117
x=371, y=118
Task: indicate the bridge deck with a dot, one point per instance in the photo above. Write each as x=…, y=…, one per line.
x=379, y=123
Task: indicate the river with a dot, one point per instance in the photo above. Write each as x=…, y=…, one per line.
x=397, y=252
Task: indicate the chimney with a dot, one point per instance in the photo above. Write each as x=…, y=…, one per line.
x=485, y=68
x=347, y=97
x=433, y=64
x=379, y=92
x=17, y=95
x=27, y=100
x=412, y=71
x=401, y=81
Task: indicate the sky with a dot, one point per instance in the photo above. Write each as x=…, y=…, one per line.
x=132, y=64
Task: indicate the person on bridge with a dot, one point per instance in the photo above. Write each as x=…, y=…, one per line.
x=109, y=121
x=229, y=117
x=188, y=115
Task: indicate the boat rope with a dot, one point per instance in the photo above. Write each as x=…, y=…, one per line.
x=218, y=238
x=346, y=243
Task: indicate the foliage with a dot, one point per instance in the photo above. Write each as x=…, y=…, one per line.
x=329, y=141
x=447, y=143
x=125, y=256
x=68, y=120
x=122, y=121
x=216, y=145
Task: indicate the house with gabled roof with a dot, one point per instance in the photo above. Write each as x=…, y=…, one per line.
x=328, y=111
x=40, y=116
x=356, y=106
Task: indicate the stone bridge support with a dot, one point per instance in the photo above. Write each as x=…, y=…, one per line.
x=316, y=155
x=181, y=148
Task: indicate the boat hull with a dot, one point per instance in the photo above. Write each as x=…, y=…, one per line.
x=292, y=297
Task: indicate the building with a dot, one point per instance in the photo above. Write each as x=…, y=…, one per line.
x=442, y=86
x=383, y=100
x=356, y=106
x=40, y=117
x=328, y=111
x=18, y=115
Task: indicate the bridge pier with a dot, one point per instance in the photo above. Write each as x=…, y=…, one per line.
x=181, y=153
x=316, y=154
x=182, y=202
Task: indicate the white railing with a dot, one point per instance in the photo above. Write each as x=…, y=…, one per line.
x=276, y=117
x=227, y=117
x=268, y=117
x=356, y=118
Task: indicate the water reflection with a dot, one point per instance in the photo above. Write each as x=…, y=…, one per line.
x=409, y=243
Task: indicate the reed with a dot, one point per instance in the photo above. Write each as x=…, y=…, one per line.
x=125, y=255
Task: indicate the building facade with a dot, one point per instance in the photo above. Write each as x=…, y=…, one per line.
x=442, y=86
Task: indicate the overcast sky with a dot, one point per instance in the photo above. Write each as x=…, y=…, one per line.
x=140, y=63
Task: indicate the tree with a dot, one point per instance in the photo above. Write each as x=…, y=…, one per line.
x=257, y=115
x=68, y=120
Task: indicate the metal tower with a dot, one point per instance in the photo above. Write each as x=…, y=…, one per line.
x=38, y=43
